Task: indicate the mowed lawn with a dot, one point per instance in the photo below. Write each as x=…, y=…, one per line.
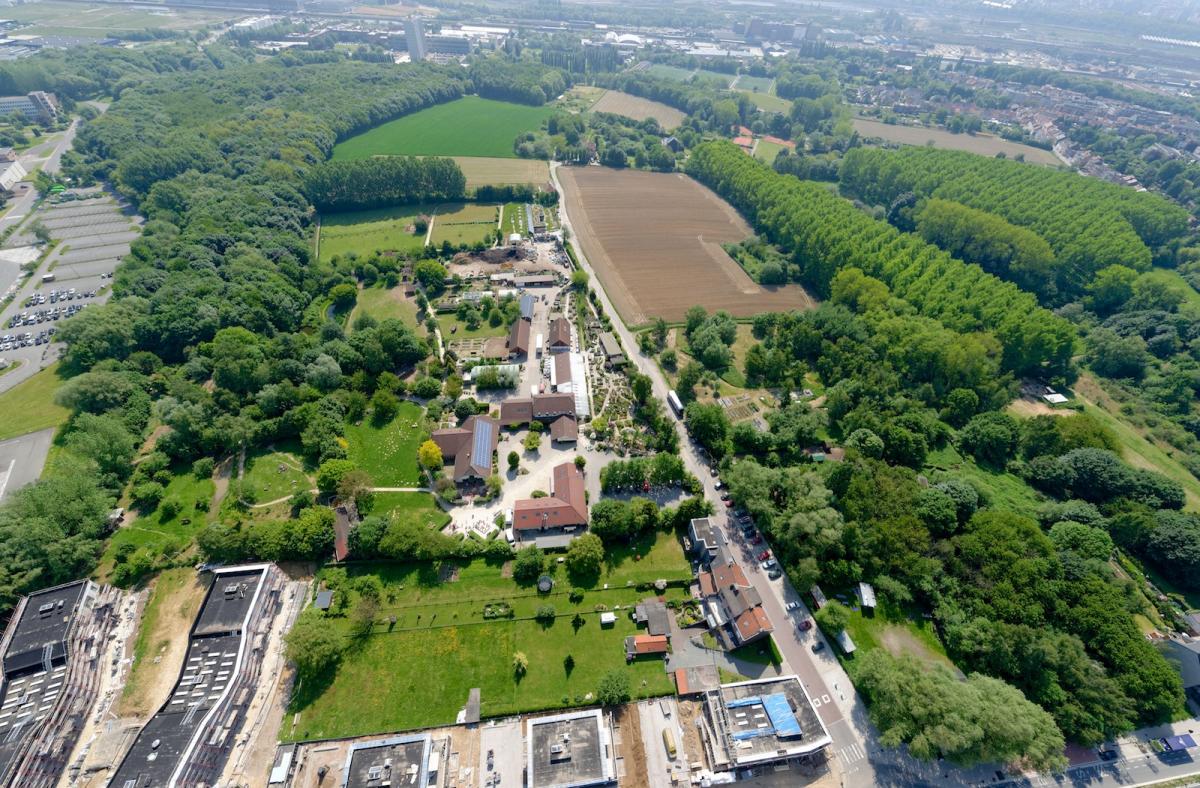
x=464, y=223
x=766, y=151
x=419, y=672
x=770, y=103
x=485, y=171
x=388, y=453
x=410, y=507
x=29, y=406
x=271, y=475
x=469, y=126
x=383, y=303
x=367, y=232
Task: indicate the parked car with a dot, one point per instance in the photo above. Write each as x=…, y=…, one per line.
x=818, y=646
x=790, y=606
x=774, y=573
x=725, y=496
x=769, y=564
x=757, y=539
x=764, y=555
x=806, y=625
x=1107, y=755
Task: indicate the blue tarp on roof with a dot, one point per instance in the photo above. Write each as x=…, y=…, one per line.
x=780, y=712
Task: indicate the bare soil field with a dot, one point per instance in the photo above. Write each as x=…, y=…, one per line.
x=983, y=144
x=654, y=239
x=638, y=108
x=485, y=170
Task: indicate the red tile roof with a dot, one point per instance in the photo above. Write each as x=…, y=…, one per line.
x=650, y=644
x=518, y=338
x=564, y=428
x=560, y=333
x=752, y=623
x=566, y=505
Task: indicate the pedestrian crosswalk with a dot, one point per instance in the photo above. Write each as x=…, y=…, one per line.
x=851, y=754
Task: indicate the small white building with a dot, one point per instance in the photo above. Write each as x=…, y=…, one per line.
x=514, y=239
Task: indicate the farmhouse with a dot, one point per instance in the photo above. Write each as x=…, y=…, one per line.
x=564, y=429
x=560, y=335
x=518, y=339
x=761, y=722
x=573, y=749
x=470, y=446
x=557, y=519
x=540, y=407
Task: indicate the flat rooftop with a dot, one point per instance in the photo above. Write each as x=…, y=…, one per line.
x=394, y=761
x=767, y=720
x=46, y=619
x=227, y=602
x=569, y=750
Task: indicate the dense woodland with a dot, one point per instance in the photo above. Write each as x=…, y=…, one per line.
x=381, y=181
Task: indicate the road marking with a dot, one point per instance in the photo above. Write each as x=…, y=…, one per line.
x=6, y=476
x=851, y=754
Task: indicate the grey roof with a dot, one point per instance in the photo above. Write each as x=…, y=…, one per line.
x=568, y=750
x=655, y=615
x=527, y=302
x=324, y=600
x=45, y=620
x=388, y=761
x=227, y=602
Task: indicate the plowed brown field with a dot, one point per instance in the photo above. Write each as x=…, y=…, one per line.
x=654, y=239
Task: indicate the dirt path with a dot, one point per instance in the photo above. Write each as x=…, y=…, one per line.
x=628, y=725
x=221, y=485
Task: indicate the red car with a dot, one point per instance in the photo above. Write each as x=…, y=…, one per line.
x=805, y=625
x=729, y=504
x=764, y=555
x=756, y=540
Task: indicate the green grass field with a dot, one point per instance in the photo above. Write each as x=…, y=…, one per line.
x=1001, y=489
x=389, y=453
x=891, y=629
x=767, y=151
x=410, y=507
x=754, y=84
x=382, y=303
x=770, y=103
x=663, y=71
x=449, y=322
x=158, y=532
x=513, y=220
x=463, y=223
x=275, y=474
x=366, y=232
x=102, y=19
x=420, y=672
x=29, y=406
x=469, y=126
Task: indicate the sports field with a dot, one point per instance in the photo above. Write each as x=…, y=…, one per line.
x=770, y=103
x=638, y=108
x=485, y=171
x=654, y=239
x=753, y=84
x=469, y=126
x=766, y=150
x=376, y=230
x=983, y=144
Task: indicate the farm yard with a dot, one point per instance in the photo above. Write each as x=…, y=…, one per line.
x=492, y=171
x=450, y=645
x=983, y=144
x=377, y=230
x=469, y=126
x=646, y=233
x=639, y=109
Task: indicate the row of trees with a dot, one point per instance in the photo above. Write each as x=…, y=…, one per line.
x=1090, y=224
x=381, y=181
x=824, y=234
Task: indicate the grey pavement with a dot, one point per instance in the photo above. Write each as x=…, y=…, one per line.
x=22, y=460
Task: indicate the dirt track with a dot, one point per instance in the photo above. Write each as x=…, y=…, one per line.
x=654, y=239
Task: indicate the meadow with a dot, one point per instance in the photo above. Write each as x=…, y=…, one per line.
x=766, y=151
x=463, y=224
x=165, y=529
x=983, y=144
x=102, y=20
x=383, y=303
x=388, y=452
x=410, y=507
x=469, y=126
x=367, y=232
x=770, y=103
x=448, y=646
x=492, y=171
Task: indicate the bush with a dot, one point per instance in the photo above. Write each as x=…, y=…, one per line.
x=203, y=467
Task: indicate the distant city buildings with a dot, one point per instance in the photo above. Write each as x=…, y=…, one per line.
x=414, y=31
x=36, y=106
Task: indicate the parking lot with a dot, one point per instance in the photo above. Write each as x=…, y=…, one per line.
x=93, y=233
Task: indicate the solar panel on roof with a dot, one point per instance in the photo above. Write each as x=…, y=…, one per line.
x=481, y=450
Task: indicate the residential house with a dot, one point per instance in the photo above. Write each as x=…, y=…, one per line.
x=470, y=447
x=732, y=606
x=653, y=613
x=706, y=539
x=555, y=520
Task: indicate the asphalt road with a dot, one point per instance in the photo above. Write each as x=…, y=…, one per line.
x=22, y=460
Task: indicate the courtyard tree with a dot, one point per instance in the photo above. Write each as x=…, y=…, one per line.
x=514, y=460
x=330, y=474
x=833, y=617
x=430, y=455
x=527, y=566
